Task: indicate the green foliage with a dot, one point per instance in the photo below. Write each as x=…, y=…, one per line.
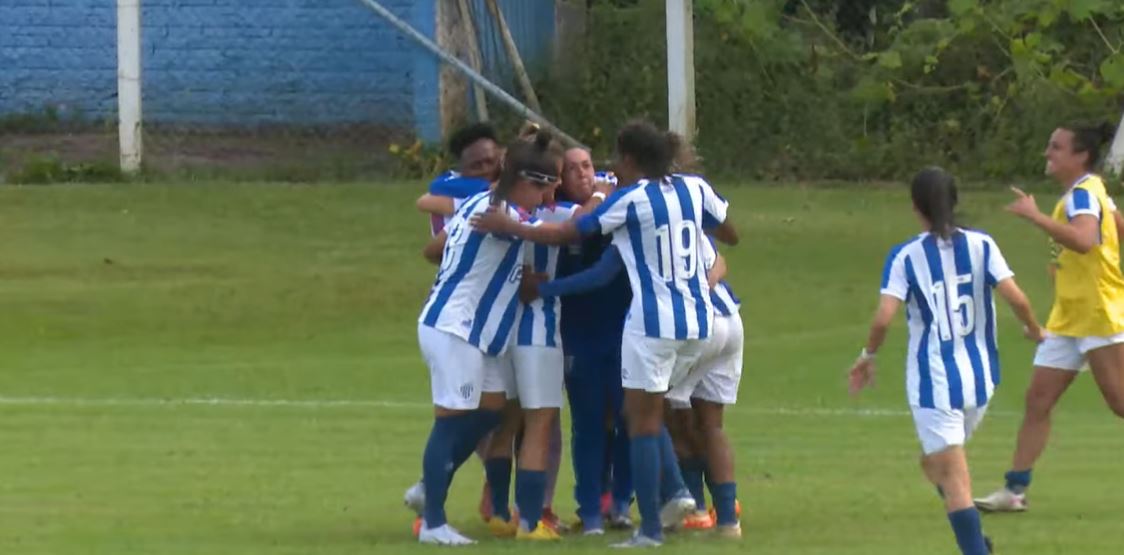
x=418, y=160
x=858, y=90
x=43, y=170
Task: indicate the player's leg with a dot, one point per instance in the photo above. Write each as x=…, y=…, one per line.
x=467, y=406
x=539, y=376
x=717, y=390
x=678, y=501
x=1107, y=364
x=617, y=447
x=646, y=370
x=720, y=465
x=690, y=448
x=497, y=468
x=1056, y=364
x=587, y=438
x=943, y=434
x=553, y=466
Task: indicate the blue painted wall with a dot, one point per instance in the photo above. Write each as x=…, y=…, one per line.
x=244, y=62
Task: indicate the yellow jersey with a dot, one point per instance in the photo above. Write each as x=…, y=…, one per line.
x=1088, y=288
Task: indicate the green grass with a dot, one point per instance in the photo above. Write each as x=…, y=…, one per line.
x=113, y=298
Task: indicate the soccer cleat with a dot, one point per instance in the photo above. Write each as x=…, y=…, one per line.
x=417, y=526
x=620, y=521
x=638, y=540
x=443, y=535
x=501, y=528
x=1002, y=501
x=729, y=531
x=551, y=520
x=674, y=511
x=540, y=533
x=415, y=497
x=698, y=520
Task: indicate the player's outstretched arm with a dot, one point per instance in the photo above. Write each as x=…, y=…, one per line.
x=597, y=276
x=435, y=248
x=497, y=222
x=436, y=204
x=725, y=233
x=861, y=374
x=1020, y=304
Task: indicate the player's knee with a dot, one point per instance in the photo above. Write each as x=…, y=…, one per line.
x=1039, y=404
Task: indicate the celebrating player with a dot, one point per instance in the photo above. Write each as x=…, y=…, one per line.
x=657, y=223
x=698, y=405
x=1086, y=324
x=466, y=323
x=946, y=276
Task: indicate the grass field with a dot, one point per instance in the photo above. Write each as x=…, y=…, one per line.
x=228, y=368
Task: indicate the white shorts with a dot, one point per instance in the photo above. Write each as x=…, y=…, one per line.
x=718, y=373
x=458, y=371
x=538, y=379
x=655, y=364
x=939, y=429
x=1069, y=353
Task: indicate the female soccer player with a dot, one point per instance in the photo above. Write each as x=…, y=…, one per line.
x=946, y=276
x=466, y=324
x=657, y=223
x=1086, y=324
x=698, y=405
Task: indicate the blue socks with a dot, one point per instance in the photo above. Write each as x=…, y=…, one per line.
x=725, y=498
x=693, y=470
x=498, y=472
x=1018, y=480
x=969, y=532
x=438, y=463
x=671, y=480
x=645, y=462
x=530, y=491
x=451, y=442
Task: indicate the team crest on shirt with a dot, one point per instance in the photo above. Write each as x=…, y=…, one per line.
x=516, y=274
x=466, y=324
x=466, y=390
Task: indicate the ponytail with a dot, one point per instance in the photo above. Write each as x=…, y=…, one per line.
x=935, y=197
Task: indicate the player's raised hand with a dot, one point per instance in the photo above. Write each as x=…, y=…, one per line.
x=1024, y=205
x=861, y=376
x=494, y=220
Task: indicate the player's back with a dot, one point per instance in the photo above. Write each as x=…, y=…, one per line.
x=474, y=295
x=661, y=245
x=953, y=360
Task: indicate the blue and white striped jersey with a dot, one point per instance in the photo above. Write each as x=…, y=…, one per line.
x=953, y=360
x=539, y=320
x=475, y=294
x=722, y=296
x=658, y=228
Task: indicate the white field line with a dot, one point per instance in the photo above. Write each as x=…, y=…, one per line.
x=389, y=404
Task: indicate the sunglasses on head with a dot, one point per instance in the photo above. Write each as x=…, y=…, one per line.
x=537, y=177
